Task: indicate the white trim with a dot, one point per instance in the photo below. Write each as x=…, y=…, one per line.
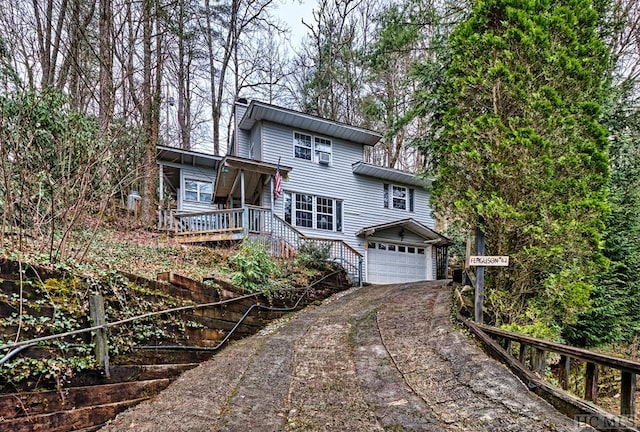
x=295, y=144
x=314, y=151
x=314, y=211
x=392, y=197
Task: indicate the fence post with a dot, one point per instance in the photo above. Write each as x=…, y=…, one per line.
x=96, y=310
x=628, y=395
x=523, y=353
x=591, y=383
x=360, y=260
x=565, y=362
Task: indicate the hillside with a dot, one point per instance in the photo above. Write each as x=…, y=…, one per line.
x=122, y=265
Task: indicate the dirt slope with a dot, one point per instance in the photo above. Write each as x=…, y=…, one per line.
x=379, y=358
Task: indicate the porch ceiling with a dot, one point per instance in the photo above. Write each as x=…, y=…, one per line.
x=256, y=174
x=176, y=156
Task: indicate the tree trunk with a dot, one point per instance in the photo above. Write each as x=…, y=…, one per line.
x=149, y=162
x=106, y=66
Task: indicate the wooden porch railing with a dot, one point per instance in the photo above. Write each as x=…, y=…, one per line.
x=181, y=222
x=283, y=238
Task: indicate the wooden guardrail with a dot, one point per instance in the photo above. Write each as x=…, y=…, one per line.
x=530, y=363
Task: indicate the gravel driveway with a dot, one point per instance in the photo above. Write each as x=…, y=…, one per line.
x=377, y=358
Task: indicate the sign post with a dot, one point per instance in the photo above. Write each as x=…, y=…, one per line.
x=479, y=295
x=481, y=261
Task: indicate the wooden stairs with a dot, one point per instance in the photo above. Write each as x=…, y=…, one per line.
x=87, y=407
x=90, y=400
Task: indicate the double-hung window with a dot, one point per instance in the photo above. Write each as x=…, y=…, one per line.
x=310, y=211
x=325, y=213
x=398, y=197
x=304, y=210
x=198, y=190
x=316, y=149
x=302, y=146
x=322, y=147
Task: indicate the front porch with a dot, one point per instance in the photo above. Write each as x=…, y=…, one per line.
x=219, y=225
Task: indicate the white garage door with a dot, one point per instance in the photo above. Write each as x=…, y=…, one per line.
x=393, y=263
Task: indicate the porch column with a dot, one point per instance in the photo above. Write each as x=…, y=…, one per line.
x=272, y=201
x=160, y=195
x=161, y=182
x=245, y=216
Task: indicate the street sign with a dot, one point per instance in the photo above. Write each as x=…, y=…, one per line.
x=489, y=261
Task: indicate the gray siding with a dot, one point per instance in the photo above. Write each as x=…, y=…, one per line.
x=393, y=235
x=255, y=147
x=195, y=173
x=243, y=136
x=363, y=197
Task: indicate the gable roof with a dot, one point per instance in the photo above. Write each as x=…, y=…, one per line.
x=412, y=225
x=389, y=174
x=257, y=111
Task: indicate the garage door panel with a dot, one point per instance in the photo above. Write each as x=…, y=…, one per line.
x=392, y=266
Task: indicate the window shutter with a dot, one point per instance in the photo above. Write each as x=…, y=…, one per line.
x=338, y=215
x=386, y=195
x=411, y=193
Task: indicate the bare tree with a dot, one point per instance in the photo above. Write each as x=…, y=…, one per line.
x=149, y=105
x=106, y=65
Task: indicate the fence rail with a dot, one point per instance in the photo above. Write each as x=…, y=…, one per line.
x=532, y=357
x=100, y=327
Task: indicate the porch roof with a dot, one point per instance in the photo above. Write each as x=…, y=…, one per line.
x=257, y=111
x=177, y=156
x=256, y=175
x=412, y=225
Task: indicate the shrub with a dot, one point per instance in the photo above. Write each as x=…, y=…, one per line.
x=314, y=255
x=253, y=267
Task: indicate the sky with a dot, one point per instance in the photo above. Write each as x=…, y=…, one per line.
x=291, y=12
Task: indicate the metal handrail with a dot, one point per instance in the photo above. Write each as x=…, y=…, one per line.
x=25, y=344
x=246, y=314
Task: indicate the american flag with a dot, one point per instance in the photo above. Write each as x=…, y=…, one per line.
x=277, y=191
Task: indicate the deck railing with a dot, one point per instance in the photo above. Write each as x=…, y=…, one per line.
x=282, y=238
x=211, y=220
x=341, y=253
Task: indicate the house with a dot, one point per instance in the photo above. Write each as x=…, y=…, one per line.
x=376, y=221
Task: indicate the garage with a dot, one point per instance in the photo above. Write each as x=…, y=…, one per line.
x=396, y=263
x=403, y=251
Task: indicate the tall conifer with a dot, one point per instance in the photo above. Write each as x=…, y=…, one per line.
x=521, y=145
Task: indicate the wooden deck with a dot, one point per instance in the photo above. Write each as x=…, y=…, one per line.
x=235, y=224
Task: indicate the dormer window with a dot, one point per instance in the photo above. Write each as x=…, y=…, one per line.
x=316, y=149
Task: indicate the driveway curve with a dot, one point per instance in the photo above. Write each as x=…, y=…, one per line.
x=377, y=358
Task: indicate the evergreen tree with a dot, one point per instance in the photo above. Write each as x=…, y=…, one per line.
x=615, y=312
x=520, y=144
